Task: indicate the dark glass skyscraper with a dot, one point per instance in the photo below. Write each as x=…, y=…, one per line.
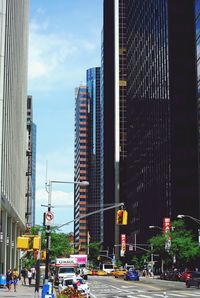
x=95, y=221
x=157, y=176
x=162, y=105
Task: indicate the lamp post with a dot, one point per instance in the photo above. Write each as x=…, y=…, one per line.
x=48, y=230
x=155, y=227
x=188, y=216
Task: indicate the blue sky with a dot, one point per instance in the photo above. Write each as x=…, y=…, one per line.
x=64, y=41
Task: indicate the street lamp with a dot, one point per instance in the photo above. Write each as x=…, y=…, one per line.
x=49, y=190
x=194, y=219
x=188, y=216
x=155, y=227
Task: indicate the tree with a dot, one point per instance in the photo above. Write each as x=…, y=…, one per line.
x=60, y=245
x=94, y=252
x=184, y=249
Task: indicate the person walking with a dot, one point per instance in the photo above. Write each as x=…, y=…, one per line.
x=15, y=277
x=9, y=279
x=29, y=277
x=24, y=275
x=33, y=270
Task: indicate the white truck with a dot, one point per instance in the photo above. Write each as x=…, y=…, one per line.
x=65, y=268
x=82, y=264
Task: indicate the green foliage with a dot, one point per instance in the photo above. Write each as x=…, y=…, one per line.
x=183, y=246
x=60, y=246
x=138, y=261
x=118, y=264
x=94, y=252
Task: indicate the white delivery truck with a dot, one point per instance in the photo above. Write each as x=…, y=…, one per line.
x=82, y=261
x=65, y=267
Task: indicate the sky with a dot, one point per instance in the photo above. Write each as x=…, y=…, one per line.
x=64, y=41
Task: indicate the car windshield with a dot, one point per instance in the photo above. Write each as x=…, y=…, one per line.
x=68, y=282
x=108, y=266
x=66, y=270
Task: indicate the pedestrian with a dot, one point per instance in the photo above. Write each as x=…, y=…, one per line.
x=15, y=277
x=29, y=277
x=75, y=281
x=33, y=270
x=24, y=275
x=9, y=279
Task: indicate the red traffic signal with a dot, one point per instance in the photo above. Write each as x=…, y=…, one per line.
x=122, y=217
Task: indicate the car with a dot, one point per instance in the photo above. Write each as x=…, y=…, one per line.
x=193, y=280
x=119, y=273
x=101, y=273
x=82, y=285
x=131, y=274
x=185, y=275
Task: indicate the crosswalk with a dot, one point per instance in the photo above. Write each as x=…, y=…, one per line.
x=180, y=294
x=110, y=291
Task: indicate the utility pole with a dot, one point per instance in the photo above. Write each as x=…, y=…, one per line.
x=48, y=235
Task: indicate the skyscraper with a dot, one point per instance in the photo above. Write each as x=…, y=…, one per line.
x=81, y=168
x=13, y=134
x=157, y=175
x=162, y=105
x=114, y=116
x=95, y=227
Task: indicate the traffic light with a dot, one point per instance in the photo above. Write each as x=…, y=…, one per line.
x=122, y=217
x=125, y=217
x=43, y=255
x=23, y=242
x=36, y=242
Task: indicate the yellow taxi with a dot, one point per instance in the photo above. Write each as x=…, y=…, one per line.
x=119, y=273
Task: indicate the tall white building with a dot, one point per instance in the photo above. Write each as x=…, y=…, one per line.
x=13, y=134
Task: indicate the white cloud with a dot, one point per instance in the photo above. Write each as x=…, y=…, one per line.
x=59, y=199
x=55, y=59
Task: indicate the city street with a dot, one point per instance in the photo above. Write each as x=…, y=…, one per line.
x=109, y=287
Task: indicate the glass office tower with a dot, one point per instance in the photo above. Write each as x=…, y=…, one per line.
x=162, y=114
x=157, y=175
x=94, y=221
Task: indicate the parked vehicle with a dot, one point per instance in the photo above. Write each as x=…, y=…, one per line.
x=174, y=275
x=193, y=280
x=185, y=275
x=82, y=285
x=131, y=274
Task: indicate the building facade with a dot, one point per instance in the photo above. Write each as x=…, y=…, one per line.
x=114, y=106
x=13, y=134
x=155, y=123
x=81, y=168
x=31, y=165
x=161, y=92
x=95, y=227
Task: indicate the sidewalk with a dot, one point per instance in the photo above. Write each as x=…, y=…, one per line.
x=22, y=291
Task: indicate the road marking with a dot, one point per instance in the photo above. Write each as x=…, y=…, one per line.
x=159, y=295
x=176, y=295
x=140, y=295
x=192, y=294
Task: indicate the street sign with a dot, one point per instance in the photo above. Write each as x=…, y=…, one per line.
x=49, y=218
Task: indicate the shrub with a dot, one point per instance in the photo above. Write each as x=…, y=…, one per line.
x=69, y=293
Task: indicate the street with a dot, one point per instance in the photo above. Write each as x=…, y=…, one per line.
x=109, y=287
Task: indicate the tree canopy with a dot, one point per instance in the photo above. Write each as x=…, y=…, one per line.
x=184, y=249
